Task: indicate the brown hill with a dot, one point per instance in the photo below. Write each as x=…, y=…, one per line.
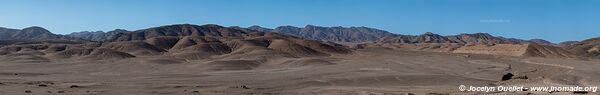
x=586, y=48
x=204, y=47
x=521, y=50
x=163, y=42
x=53, y=48
x=198, y=47
x=72, y=52
x=567, y=43
x=530, y=50
x=33, y=33
x=6, y=33
x=334, y=34
x=431, y=38
x=180, y=30
x=134, y=47
x=432, y=47
x=24, y=58
x=541, y=42
x=292, y=48
x=479, y=38
x=97, y=35
x=104, y=53
x=181, y=41
x=200, y=42
x=475, y=38
x=88, y=53
x=193, y=40
x=537, y=50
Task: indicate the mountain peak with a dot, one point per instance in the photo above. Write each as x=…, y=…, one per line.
x=34, y=27
x=36, y=30
x=119, y=30
x=34, y=33
x=334, y=34
x=313, y=26
x=178, y=30
x=211, y=25
x=429, y=33
x=541, y=41
x=255, y=26
x=259, y=28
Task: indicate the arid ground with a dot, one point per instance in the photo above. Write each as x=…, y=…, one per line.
x=368, y=71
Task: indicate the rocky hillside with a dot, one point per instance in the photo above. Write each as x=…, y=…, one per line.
x=30, y=33
x=530, y=50
x=333, y=34
x=182, y=41
x=202, y=41
x=589, y=47
x=476, y=38
x=97, y=35
x=567, y=43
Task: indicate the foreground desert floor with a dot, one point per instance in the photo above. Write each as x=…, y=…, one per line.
x=371, y=71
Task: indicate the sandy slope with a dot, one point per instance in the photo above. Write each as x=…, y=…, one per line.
x=365, y=71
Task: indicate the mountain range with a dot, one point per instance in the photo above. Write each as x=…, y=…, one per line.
x=181, y=40
x=165, y=38
x=97, y=35
x=333, y=34
x=29, y=33
x=366, y=34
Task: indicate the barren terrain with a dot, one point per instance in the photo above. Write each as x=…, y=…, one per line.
x=365, y=71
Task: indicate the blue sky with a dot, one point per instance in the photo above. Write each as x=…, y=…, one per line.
x=553, y=20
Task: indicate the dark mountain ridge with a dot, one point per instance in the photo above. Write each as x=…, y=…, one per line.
x=334, y=34
x=96, y=35
x=180, y=30
x=312, y=32
x=197, y=41
x=365, y=34
x=29, y=34
x=589, y=47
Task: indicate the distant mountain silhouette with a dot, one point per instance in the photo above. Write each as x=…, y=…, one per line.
x=97, y=35
x=334, y=34
x=567, y=43
x=476, y=38
x=365, y=34
x=483, y=38
x=258, y=28
x=29, y=33
x=209, y=30
x=541, y=41
x=6, y=33
x=202, y=41
x=183, y=41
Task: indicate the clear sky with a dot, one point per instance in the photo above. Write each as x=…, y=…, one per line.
x=553, y=20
